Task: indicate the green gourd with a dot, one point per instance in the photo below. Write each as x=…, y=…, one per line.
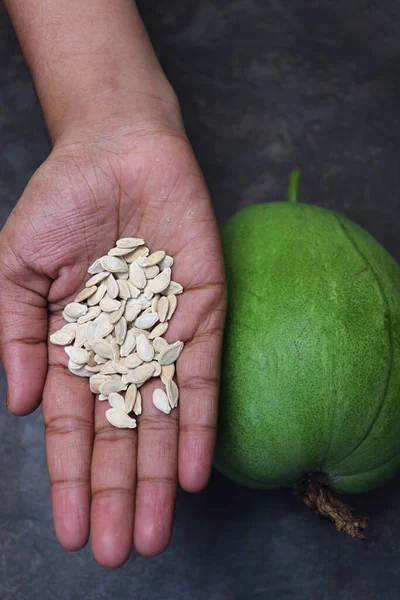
x=310, y=383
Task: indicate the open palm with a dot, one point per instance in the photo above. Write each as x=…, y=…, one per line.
x=118, y=484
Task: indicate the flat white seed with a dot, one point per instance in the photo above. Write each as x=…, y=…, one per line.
x=129, y=242
x=123, y=289
x=119, y=251
x=108, y=368
x=81, y=372
x=133, y=360
x=112, y=286
x=62, y=338
x=130, y=398
x=137, y=276
x=137, y=409
x=151, y=272
x=170, y=354
x=90, y=359
x=158, y=330
x=154, y=303
x=114, y=264
x=144, y=348
x=141, y=300
x=159, y=343
x=95, y=267
x=114, y=346
x=103, y=325
x=96, y=278
x=162, y=308
x=167, y=373
x=172, y=393
x=161, y=282
x=124, y=276
x=97, y=296
x=173, y=288
x=102, y=397
x=94, y=369
x=120, y=331
x=113, y=385
x=172, y=304
x=99, y=359
x=146, y=321
x=142, y=251
x=68, y=319
x=120, y=419
x=120, y=366
x=109, y=304
x=87, y=346
x=74, y=310
x=102, y=348
x=153, y=259
x=129, y=344
x=80, y=336
x=133, y=290
x=132, y=311
x=95, y=381
x=157, y=368
x=92, y=313
x=117, y=314
x=140, y=374
x=148, y=292
x=160, y=401
x=70, y=327
x=137, y=332
x=77, y=355
x=85, y=293
x=166, y=262
x=115, y=400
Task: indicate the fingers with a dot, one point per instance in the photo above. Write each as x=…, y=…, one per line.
x=198, y=380
x=23, y=331
x=68, y=418
x=113, y=490
x=157, y=477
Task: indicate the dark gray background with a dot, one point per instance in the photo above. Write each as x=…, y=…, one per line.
x=265, y=85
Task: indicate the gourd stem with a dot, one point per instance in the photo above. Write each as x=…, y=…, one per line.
x=294, y=186
x=320, y=499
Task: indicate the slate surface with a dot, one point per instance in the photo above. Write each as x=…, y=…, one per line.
x=265, y=85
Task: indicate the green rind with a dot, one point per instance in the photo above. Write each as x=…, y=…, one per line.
x=311, y=357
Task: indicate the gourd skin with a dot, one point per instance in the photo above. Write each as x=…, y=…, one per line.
x=311, y=358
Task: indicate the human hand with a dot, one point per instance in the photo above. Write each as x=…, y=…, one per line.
x=141, y=182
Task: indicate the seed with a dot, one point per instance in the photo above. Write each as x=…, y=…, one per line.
x=173, y=288
x=109, y=304
x=167, y=373
x=161, y=282
x=129, y=242
x=158, y=330
x=154, y=303
x=95, y=369
x=112, y=286
x=160, y=401
x=112, y=385
x=140, y=374
x=114, y=264
x=133, y=360
x=97, y=296
x=162, y=308
x=172, y=393
x=102, y=348
x=144, y=348
x=90, y=329
x=77, y=355
x=108, y=368
x=172, y=304
x=153, y=259
x=124, y=275
x=62, y=338
x=159, y=343
x=102, y=397
x=147, y=320
x=137, y=409
x=157, y=368
x=85, y=293
x=120, y=419
x=142, y=251
x=166, y=262
x=92, y=313
x=120, y=331
x=130, y=398
x=90, y=359
x=80, y=335
x=133, y=290
x=103, y=325
x=81, y=372
x=129, y=344
x=137, y=276
x=95, y=267
x=95, y=381
x=96, y=278
x=148, y=292
x=119, y=251
x=151, y=272
x=74, y=310
x=170, y=354
x=115, y=400
x=123, y=289
x=117, y=314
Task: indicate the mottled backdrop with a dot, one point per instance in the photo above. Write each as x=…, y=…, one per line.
x=265, y=85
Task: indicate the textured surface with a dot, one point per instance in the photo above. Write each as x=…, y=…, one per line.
x=311, y=359
x=265, y=85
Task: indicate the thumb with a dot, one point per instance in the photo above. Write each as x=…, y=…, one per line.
x=23, y=331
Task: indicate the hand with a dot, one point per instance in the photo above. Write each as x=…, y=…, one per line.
x=120, y=484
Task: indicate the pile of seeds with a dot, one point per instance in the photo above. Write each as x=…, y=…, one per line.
x=116, y=324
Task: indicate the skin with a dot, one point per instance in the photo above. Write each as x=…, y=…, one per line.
x=121, y=165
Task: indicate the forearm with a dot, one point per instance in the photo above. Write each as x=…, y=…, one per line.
x=91, y=61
